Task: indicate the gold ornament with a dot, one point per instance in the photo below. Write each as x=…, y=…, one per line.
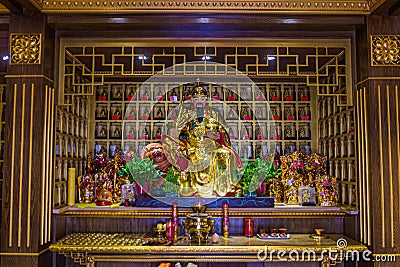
x=25, y=48
x=385, y=50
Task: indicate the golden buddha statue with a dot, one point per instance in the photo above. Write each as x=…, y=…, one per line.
x=199, y=147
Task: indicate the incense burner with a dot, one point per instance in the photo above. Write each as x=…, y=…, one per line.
x=198, y=224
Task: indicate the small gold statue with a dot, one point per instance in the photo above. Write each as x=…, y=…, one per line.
x=160, y=114
x=104, y=197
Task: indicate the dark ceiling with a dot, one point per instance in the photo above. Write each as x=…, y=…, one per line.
x=204, y=25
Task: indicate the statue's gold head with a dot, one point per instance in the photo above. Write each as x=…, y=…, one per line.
x=199, y=90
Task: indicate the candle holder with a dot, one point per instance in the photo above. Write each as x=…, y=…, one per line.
x=159, y=230
x=319, y=234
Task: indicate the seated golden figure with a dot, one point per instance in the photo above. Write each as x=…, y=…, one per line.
x=199, y=147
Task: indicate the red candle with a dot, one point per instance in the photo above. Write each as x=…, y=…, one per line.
x=249, y=227
x=170, y=231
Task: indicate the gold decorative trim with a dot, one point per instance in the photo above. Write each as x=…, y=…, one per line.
x=25, y=48
x=377, y=78
x=43, y=180
x=94, y=76
x=48, y=156
x=3, y=9
x=51, y=167
x=398, y=136
x=28, y=228
x=10, y=240
x=125, y=243
x=162, y=213
x=21, y=165
x=78, y=257
x=385, y=50
x=390, y=164
x=360, y=164
x=366, y=177
x=216, y=6
x=30, y=76
x=189, y=258
x=381, y=168
x=23, y=254
x=374, y=4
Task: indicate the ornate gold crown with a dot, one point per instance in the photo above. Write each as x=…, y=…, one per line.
x=199, y=90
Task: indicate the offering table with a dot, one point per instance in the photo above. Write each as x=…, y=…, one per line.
x=101, y=249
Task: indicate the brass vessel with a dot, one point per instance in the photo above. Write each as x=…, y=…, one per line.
x=198, y=224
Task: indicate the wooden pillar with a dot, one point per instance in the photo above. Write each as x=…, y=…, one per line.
x=378, y=102
x=28, y=133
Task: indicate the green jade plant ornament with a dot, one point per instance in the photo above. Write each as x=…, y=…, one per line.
x=144, y=173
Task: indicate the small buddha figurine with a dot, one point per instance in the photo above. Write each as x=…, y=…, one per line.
x=288, y=132
x=276, y=112
x=302, y=111
x=258, y=131
x=117, y=132
x=174, y=95
x=102, y=113
x=286, y=93
x=274, y=94
x=259, y=153
x=302, y=131
x=231, y=95
x=117, y=113
x=245, y=112
x=145, y=112
x=245, y=94
x=131, y=131
x=102, y=132
x=216, y=94
x=158, y=133
x=117, y=94
x=130, y=92
x=131, y=112
x=302, y=93
x=259, y=112
x=145, y=134
x=160, y=114
x=145, y=95
x=290, y=111
x=231, y=113
x=87, y=189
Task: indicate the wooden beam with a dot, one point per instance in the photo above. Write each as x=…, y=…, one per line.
x=20, y=7
x=205, y=22
x=395, y=9
x=389, y=7
x=13, y=6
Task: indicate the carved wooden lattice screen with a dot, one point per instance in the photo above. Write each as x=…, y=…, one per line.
x=290, y=77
